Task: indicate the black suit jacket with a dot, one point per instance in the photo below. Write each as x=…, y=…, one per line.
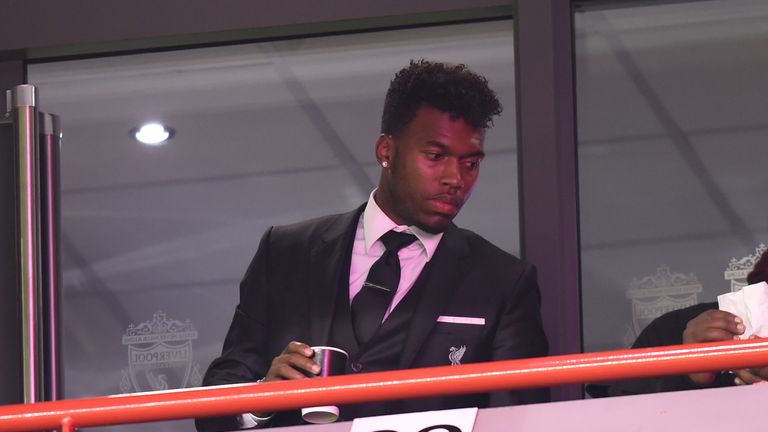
x=288, y=293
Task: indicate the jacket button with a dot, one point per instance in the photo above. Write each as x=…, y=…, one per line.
x=357, y=367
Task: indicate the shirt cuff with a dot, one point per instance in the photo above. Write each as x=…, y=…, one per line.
x=248, y=420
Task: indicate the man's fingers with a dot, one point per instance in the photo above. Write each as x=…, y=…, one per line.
x=746, y=376
x=298, y=348
x=713, y=325
x=299, y=355
x=723, y=320
x=707, y=334
x=295, y=358
x=715, y=335
x=301, y=362
x=285, y=370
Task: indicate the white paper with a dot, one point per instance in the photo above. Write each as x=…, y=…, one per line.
x=462, y=418
x=751, y=305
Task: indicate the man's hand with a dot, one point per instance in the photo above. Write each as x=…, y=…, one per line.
x=286, y=366
x=712, y=326
x=295, y=357
x=751, y=375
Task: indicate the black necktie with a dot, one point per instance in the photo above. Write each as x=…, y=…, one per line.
x=370, y=304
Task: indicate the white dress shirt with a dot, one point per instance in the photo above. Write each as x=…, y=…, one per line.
x=367, y=248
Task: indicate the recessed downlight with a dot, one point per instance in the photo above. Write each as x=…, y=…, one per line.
x=153, y=134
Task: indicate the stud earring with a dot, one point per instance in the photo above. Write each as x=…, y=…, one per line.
x=385, y=164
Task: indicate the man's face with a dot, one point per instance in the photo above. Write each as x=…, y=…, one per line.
x=432, y=167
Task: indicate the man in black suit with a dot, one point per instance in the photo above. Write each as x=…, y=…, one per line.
x=456, y=298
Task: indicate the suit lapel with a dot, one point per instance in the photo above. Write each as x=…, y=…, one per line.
x=442, y=275
x=328, y=259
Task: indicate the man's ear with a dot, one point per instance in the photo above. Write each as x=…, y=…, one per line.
x=385, y=150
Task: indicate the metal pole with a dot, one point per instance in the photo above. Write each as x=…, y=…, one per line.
x=546, y=124
x=50, y=229
x=24, y=114
x=380, y=386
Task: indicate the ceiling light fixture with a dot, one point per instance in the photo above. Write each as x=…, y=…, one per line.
x=152, y=134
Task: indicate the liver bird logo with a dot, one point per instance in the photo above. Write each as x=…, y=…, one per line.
x=456, y=354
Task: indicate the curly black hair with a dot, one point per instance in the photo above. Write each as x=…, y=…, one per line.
x=449, y=88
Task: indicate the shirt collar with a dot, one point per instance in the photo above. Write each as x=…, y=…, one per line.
x=376, y=223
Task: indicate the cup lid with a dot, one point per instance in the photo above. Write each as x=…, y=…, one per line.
x=322, y=347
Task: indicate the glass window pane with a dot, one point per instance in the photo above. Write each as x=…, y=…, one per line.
x=672, y=150
x=267, y=133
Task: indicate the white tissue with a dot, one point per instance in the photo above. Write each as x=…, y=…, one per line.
x=751, y=305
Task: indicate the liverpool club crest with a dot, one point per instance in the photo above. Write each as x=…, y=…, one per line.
x=160, y=355
x=738, y=270
x=657, y=294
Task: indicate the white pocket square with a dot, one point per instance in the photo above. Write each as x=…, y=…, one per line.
x=461, y=320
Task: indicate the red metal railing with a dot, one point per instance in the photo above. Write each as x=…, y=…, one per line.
x=402, y=384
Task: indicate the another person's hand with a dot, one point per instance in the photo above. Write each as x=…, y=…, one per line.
x=751, y=375
x=295, y=357
x=712, y=326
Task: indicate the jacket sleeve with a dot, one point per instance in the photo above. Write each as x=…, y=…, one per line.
x=244, y=357
x=520, y=334
x=664, y=331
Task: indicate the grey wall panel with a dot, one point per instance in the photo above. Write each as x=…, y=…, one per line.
x=11, y=74
x=672, y=132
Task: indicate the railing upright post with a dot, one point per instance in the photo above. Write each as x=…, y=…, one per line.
x=50, y=229
x=24, y=113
